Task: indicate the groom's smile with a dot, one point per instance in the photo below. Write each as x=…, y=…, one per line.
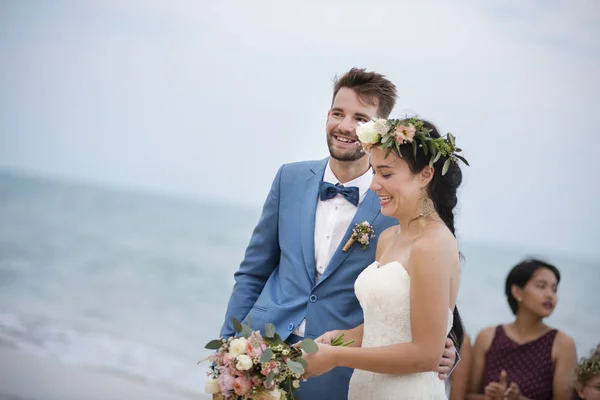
x=345, y=139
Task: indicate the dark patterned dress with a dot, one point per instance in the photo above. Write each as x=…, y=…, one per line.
x=529, y=365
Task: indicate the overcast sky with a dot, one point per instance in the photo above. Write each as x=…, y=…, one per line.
x=209, y=98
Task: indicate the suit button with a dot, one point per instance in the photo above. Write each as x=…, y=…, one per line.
x=291, y=327
x=313, y=298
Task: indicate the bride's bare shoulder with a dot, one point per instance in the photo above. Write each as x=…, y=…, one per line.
x=385, y=237
x=436, y=242
x=387, y=234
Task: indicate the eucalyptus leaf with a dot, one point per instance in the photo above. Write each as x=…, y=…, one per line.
x=266, y=356
x=213, y=345
x=295, y=367
x=301, y=361
x=309, y=346
x=269, y=330
x=250, y=322
x=446, y=166
x=425, y=150
x=414, y=149
x=270, y=378
x=246, y=331
x=277, y=338
x=237, y=325
x=437, y=156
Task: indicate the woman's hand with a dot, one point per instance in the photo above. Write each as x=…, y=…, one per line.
x=328, y=337
x=322, y=361
x=496, y=390
x=513, y=392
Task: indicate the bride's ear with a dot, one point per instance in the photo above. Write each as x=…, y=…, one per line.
x=427, y=175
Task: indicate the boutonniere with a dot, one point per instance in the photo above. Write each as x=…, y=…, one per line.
x=362, y=233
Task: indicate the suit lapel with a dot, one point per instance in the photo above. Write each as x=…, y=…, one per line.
x=367, y=211
x=308, y=210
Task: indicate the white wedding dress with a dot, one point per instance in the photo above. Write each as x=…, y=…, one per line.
x=384, y=295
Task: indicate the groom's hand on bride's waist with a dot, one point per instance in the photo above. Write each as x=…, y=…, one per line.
x=448, y=360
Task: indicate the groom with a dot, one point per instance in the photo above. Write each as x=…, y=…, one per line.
x=295, y=273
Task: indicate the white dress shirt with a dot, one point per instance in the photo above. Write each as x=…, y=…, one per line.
x=331, y=223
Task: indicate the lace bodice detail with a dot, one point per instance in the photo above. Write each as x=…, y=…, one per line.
x=384, y=295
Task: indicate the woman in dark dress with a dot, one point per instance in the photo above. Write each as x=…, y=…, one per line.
x=525, y=359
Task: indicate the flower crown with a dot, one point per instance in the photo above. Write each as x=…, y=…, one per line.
x=390, y=133
x=588, y=368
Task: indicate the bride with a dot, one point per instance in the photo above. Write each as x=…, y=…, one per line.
x=408, y=294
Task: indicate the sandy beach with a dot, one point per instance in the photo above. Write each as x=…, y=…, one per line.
x=27, y=377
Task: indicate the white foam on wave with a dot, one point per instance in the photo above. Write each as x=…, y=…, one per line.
x=99, y=350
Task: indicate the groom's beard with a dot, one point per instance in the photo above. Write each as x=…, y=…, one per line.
x=343, y=154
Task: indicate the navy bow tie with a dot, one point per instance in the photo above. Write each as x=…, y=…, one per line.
x=328, y=191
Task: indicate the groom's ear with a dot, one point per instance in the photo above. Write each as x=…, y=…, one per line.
x=427, y=175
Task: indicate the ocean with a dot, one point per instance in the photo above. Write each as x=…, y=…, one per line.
x=137, y=283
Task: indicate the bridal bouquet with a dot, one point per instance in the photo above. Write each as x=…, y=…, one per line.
x=252, y=366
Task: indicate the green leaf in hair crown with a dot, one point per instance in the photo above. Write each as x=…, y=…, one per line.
x=392, y=133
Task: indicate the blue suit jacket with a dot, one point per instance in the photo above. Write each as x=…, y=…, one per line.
x=276, y=280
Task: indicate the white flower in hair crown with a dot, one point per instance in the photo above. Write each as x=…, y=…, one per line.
x=390, y=133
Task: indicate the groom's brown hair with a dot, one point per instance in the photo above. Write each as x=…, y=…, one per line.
x=371, y=88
